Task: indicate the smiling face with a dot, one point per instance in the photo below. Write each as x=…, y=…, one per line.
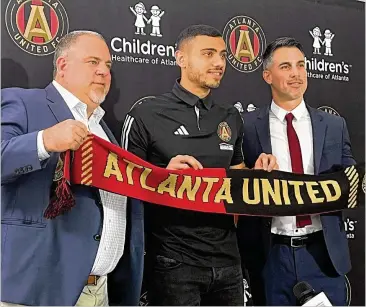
x=316, y=32
x=139, y=10
x=287, y=75
x=84, y=70
x=327, y=34
x=155, y=12
x=203, y=61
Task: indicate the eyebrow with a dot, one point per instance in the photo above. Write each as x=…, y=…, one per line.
x=99, y=59
x=213, y=49
x=288, y=63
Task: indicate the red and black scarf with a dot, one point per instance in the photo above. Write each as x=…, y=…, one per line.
x=98, y=163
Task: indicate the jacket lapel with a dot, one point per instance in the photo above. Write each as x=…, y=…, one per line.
x=319, y=127
x=57, y=104
x=262, y=127
x=62, y=112
x=109, y=133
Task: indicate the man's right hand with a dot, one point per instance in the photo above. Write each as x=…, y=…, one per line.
x=183, y=162
x=69, y=134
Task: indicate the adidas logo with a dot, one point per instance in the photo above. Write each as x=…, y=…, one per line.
x=181, y=131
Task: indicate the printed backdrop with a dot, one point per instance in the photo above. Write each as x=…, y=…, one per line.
x=142, y=42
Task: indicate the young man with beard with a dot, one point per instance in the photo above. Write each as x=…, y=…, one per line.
x=193, y=257
x=71, y=257
x=311, y=248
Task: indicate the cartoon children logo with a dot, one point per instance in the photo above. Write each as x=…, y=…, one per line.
x=156, y=13
x=317, y=43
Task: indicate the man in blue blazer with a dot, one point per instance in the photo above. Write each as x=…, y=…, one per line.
x=304, y=140
x=93, y=253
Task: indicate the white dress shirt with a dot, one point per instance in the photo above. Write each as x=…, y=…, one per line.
x=112, y=240
x=286, y=225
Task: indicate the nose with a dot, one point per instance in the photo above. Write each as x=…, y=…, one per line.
x=219, y=61
x=295, y=72
x=103, y=69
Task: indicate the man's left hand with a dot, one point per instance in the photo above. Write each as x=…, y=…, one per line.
x=266, y=162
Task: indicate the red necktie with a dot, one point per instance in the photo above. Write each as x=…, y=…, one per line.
x=296, y=162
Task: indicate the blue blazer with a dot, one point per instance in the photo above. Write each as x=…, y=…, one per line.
x=47, y=262
x=331, y=145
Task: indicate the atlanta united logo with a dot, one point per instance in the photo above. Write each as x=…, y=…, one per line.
x=59, y=172
x=224, y=132
x=329, y=110
x=245, y=42
x=36, y=26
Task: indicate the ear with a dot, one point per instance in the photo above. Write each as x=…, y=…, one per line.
x=180, y=58
x=267, y=76
x=61, y=64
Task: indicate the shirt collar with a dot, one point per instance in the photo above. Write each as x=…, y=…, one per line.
x=280, y=113
x=189, y=97
x=75, y=104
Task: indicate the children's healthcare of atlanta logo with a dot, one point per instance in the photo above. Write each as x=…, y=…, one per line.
x=322, y=65
x=146, y=45
x=36, y=26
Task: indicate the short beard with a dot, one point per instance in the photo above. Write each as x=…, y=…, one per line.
x=195, y=77
x=97, y=98
x=213, y=85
